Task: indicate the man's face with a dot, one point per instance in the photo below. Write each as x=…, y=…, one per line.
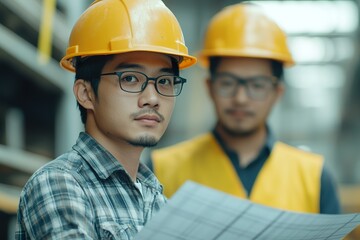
x=239, y=113
x=136, y=118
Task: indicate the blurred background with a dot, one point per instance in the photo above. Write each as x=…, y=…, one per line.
x=320, y=110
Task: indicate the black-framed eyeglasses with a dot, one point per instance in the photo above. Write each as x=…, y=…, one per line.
x=135, y=82
x=257, y=88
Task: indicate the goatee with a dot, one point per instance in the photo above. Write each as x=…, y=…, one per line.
x=233, y=132
x=144, y=141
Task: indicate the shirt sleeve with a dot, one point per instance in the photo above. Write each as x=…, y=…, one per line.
x=329, y=199
x=54, y=206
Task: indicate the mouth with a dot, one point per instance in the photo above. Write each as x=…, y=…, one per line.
x=148, y=120
x=239, y=113
x=148, y=117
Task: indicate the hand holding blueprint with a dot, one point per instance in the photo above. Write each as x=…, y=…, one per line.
x=197, y=212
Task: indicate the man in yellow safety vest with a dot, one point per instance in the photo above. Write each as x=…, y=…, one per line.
x=245, y=52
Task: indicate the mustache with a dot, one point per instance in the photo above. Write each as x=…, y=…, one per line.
x=232, y=110
x=147, y=112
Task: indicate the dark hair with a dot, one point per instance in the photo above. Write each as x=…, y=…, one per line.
x=277, y=67
x=175, y=66
x=90, y=68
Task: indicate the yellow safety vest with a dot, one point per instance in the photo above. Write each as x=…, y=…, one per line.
x=290, y=178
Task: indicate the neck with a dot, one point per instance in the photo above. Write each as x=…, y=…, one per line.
x=247, y=146
x=126, y=154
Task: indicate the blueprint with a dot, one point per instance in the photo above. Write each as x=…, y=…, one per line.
x=197, y=212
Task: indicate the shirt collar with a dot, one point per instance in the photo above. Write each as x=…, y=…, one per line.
x=269, y=142
x=105, y=164
x=147, y=177
x=101, y=160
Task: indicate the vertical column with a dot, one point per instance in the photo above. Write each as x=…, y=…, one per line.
x=68, y=123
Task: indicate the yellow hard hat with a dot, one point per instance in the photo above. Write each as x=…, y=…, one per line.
x=119, y=26
x=243, y=30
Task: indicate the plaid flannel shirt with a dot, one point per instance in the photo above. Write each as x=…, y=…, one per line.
x=86, y=194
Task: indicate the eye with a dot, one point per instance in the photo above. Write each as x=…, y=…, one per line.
x=165, y=81
x=260, y=83
x=225, y=81
x=129, y=79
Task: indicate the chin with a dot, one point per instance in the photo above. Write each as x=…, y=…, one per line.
x=144, y=141
x=239, y=131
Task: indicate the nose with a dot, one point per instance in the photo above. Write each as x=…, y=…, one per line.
x=149, y=96
x=241, y=95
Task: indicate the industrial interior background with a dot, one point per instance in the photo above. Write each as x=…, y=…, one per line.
x=320, y=110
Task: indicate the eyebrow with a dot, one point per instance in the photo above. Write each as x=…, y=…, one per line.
x=140, y=67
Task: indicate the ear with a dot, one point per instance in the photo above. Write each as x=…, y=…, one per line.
x=84, y=94
x=209, y=87
x=280, y=90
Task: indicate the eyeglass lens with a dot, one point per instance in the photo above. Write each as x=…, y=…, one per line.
x=257, y=88
x=167, y=85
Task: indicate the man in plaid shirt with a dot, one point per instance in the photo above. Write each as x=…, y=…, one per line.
x=127, y=78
